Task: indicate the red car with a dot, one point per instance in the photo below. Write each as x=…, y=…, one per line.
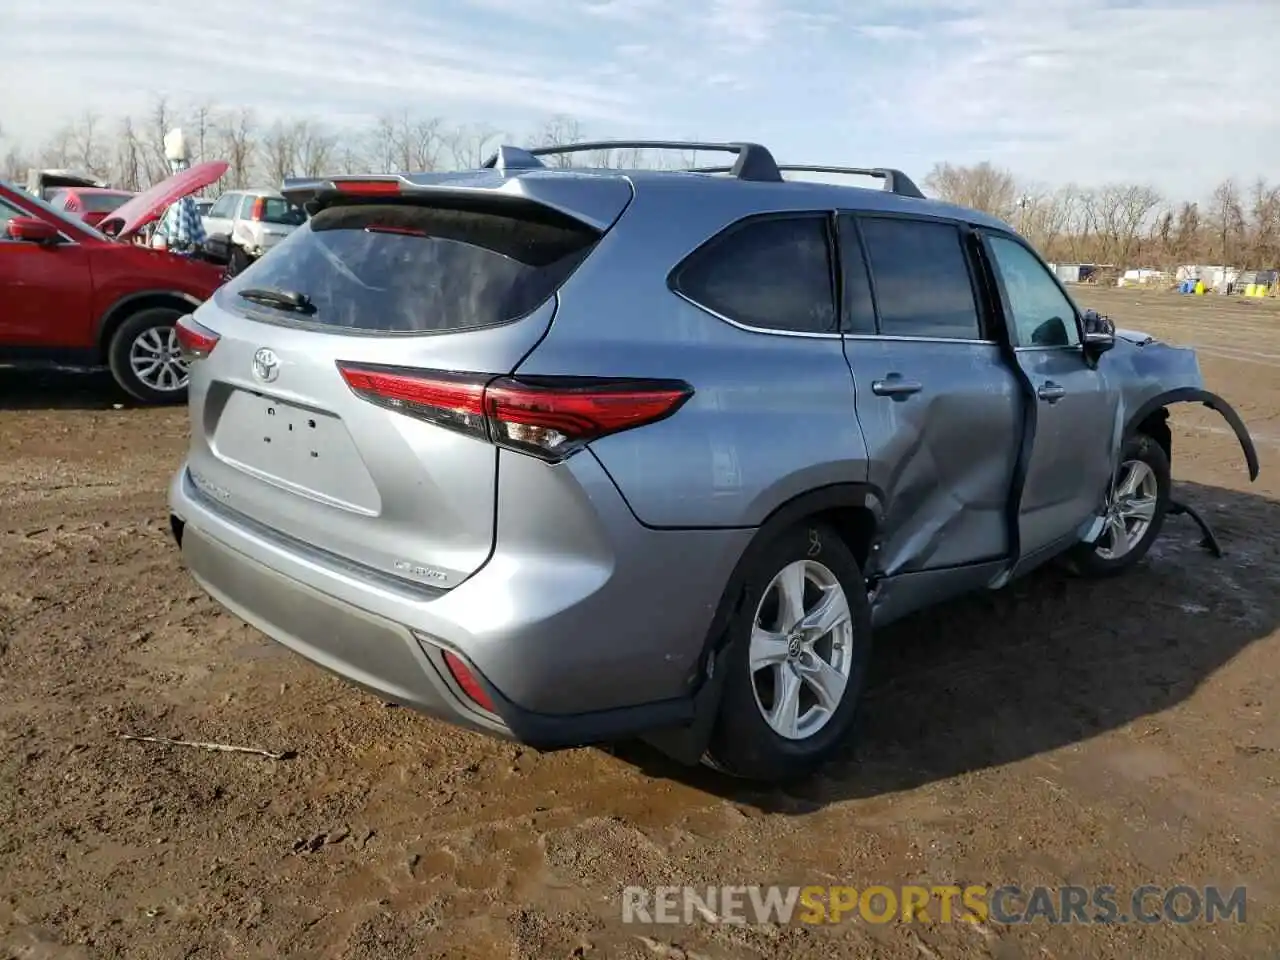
x=76, y=295
x=90, y=204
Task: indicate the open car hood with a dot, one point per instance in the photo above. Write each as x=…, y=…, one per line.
x=147, y=206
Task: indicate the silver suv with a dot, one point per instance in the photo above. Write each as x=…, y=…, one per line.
x=570, y=456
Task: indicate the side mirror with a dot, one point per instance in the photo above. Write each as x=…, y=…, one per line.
x=1099, y=333
x=217, y=249
x=32, y=230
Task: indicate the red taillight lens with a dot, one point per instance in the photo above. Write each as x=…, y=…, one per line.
x=259, y=209
x=548, y=417
x=196, y=342
x=368, y=188
x=465, y=679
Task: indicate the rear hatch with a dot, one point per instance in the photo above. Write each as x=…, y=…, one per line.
x=454, y=275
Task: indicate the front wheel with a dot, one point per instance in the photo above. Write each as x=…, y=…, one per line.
x=146, y=359
x=799, y=648
x=1134, y=510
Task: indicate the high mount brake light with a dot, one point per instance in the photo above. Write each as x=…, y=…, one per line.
x=367, y=188
x=547, y=417
x=195, y=341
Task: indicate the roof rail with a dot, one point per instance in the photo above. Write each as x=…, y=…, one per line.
x=754, y=162
x=895, y=181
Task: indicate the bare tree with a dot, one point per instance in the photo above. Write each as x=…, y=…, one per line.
x=88, y=146
x=60, y=150
x=158, y=126
x=470, y=145
x=559, y=131
x=235, y=134
x=1187, y=242
x=382, y=145
x=130, y=161
x=280, y=152
x=982, y=187
x=1264, y=245
x=314, y=148
x=1227, y=217
x=203, y=130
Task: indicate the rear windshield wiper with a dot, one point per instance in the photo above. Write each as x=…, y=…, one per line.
x=284, y=299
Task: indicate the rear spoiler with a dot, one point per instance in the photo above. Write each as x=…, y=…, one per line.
x=594, y=201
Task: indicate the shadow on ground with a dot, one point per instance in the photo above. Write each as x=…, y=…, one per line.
x=1049, y=661
x=59, y=389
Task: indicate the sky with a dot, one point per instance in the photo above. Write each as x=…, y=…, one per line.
x=1178, y=94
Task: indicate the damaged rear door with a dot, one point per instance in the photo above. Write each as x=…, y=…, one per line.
x=1064, y=472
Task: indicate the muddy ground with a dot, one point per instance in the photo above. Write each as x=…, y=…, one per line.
x=1058, y=732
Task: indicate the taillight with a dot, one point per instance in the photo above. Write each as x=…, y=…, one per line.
x=465, y=679
x=195, y=341
x=259, y=209
x=548, y=417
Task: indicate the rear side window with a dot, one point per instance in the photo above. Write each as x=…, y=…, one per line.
x=921, y=278
x=392, y=268
x=774, y=274
x=281, y=211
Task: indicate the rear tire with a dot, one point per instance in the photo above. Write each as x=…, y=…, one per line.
x=1139, y=502
x=759, y=734
x=144, y=358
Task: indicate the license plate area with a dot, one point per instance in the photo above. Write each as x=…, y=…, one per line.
x=304, y=450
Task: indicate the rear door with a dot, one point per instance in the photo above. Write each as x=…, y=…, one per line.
x=1075, y=410
x=939, y=407
x=281, y=440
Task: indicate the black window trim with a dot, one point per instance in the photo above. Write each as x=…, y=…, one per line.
x=827, y=217
x=1002, y=294
x=979, y=301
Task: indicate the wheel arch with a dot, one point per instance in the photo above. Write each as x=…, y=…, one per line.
x=1153, y=415
x=855, y=510
x=127, y=306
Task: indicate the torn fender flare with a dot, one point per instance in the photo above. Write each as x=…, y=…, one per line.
x=1213, y=402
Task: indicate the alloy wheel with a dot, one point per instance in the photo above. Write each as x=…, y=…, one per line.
x=801, y=651
x=155, y=357
x=1130, y=508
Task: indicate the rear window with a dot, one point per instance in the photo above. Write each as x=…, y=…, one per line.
x=395, y=268
x=102, y=203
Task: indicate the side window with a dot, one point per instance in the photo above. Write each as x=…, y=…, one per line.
x=246, y=207
x=774, y=274
x=225, y=206
x=1042, y=314
x=858, y=309
x=921, y=279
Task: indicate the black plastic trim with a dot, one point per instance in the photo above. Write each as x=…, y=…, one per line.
x=1213, y=402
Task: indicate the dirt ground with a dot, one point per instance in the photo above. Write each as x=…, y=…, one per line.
x=1057, y=732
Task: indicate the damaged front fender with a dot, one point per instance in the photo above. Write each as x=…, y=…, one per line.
x=1213, y=402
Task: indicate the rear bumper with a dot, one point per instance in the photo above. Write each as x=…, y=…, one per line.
x=552, y=683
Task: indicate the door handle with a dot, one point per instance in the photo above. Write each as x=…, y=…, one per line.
x=1051, y=392
x=895, y=387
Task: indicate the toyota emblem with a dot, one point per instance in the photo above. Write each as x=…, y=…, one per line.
x=266, y=365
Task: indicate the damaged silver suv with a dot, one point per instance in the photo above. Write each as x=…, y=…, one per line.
x=569, y=456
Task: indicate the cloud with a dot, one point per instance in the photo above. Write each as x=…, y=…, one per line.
x=1172, y=92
